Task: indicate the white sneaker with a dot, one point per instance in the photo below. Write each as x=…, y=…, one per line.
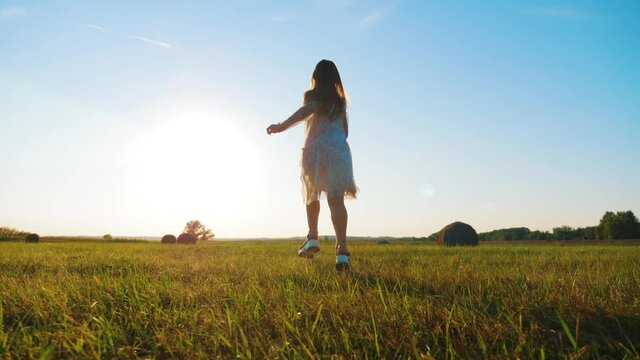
x=342, y=262
x=309, y=248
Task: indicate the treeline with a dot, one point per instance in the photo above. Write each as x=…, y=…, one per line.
x=618, y=225
x=558, y=233
x=7, y=233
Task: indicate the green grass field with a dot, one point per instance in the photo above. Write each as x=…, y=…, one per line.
x=257, y=300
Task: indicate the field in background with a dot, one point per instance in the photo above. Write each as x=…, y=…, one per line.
x=257, y=300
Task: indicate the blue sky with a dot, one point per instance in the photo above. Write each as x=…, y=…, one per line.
x=131, y=118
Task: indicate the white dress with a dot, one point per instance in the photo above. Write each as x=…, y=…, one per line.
x=326, y=159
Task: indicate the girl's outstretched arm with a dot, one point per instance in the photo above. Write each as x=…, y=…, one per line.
x=299, y=115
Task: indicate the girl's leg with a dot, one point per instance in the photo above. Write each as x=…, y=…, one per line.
x=339, y=218
x=313, y=212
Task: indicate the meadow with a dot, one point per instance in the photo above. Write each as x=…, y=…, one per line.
x=94, y=299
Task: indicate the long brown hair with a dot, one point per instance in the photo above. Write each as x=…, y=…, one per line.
x=326, y=90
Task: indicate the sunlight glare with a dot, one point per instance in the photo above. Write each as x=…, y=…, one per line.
x=192, y=166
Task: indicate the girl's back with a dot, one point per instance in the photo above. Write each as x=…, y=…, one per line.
x=321, y=129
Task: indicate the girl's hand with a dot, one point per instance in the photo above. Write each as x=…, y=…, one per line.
x=274, y=129
x=297, y=116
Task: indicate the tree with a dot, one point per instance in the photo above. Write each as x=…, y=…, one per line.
x=520, y=233
x=107, y=237
x=198, y=229
x=539, y=235
x=619, y=225
x=564, y=233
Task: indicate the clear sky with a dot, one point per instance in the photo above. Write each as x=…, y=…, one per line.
x=132, y=117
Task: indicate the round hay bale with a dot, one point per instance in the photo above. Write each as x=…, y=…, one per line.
x=168, y=239
x=457, y=233
x=33, y=238
x=186, y=238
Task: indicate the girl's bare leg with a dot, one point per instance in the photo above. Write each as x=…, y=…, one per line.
x=313, y=212
x=339, y=218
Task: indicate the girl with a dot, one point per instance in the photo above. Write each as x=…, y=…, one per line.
x=326, y=157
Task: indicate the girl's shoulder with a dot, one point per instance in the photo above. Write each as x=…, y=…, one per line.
x=311, y=104
x=309, y=95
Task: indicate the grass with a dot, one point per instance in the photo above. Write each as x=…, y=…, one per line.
x=257, y=300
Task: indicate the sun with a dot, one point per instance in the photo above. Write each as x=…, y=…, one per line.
x=194, y=165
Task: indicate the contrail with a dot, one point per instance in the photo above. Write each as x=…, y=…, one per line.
x=155, y=42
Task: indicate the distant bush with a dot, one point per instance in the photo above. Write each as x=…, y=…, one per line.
x=423, y=238
x=433, y=237
x=457, y=233
x=107, y=237
x=168, y=239
x=33, y=238
x=186, y=238
x=383, y=242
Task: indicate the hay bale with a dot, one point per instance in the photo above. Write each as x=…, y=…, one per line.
x=168, y=239
x=457, y=233
x=33, y=238
x=186, y=238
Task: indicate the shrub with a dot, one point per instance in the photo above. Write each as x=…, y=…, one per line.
x=168, y=239
x=107, y=237
x=186, y=238
x=457, y=233
x=33, y=238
